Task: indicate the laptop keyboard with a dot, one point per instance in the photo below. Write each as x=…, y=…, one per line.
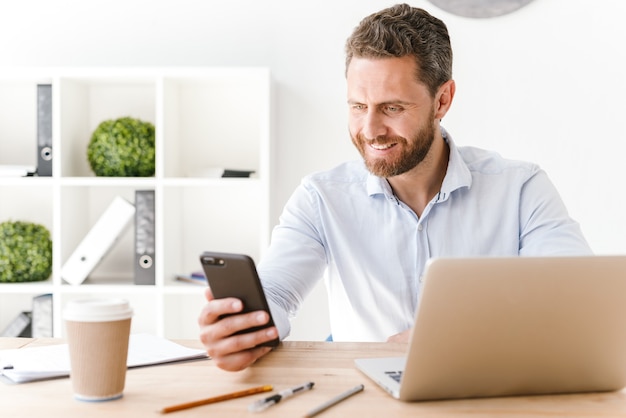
x=397, y=375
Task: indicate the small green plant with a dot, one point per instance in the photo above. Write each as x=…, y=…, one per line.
x=25, y=252
x=122, y=147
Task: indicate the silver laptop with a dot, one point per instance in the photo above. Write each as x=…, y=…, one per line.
x=512, y=326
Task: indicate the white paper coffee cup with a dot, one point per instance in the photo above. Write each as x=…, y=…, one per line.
x=98, y=331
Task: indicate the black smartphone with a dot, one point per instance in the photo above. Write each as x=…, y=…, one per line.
x=235, y=275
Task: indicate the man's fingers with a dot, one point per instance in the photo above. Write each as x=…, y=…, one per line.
x=217, y=333
x=240, y=360
x=216, y=308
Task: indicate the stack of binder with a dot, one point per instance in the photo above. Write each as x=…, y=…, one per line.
x=98, y=241
x=106, y=232
x=36, y=323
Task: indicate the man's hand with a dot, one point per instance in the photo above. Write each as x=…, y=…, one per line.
x=402, y=337
x=233, y=352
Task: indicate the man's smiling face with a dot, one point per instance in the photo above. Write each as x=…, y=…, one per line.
x=391, y=114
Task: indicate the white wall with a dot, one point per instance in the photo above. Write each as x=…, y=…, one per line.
x=544, y=84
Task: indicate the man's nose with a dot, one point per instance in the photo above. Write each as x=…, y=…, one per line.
x=373, y=125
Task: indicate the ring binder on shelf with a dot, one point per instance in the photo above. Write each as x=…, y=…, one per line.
x=19, y=327
x=42, y=316
x=44, y=130
x=144, y=237
x=98, y=241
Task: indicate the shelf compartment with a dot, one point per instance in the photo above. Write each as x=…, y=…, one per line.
x=34, y=204
x=18, y=120
x=85, y=102
x=214, y=217
x=20, y=299
x=215, y=120
x=81, y=207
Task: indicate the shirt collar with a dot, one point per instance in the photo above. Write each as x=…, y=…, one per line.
x=457, y=175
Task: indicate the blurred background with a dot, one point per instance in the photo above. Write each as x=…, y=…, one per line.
x=545, y=83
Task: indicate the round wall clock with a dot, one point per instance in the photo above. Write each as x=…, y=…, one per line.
x=480, y=8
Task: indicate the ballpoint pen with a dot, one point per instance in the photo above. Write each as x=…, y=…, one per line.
x=263, y=404
x=334, y=401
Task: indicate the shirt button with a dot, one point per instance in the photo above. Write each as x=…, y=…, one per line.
x=420, y=227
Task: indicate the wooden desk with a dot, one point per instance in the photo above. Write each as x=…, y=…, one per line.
x=329, y=365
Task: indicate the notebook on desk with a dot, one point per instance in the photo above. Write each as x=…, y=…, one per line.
x=512, y=326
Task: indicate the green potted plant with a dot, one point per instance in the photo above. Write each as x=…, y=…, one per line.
x=122, y=147
x=25, y=252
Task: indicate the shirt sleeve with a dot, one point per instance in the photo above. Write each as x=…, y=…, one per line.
x=295, y=260
x=546, y=229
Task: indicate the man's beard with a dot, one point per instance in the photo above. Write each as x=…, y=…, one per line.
x=414, y=152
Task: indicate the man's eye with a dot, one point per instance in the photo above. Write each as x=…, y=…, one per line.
x=358, y=107
x=393, y=109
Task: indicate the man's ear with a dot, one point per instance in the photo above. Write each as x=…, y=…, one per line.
x=443, y=99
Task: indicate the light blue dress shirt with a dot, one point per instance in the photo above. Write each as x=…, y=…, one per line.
x=346, y=226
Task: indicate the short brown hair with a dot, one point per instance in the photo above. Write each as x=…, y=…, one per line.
x=403, y=30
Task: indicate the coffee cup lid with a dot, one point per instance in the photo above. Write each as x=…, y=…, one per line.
x=97, y=310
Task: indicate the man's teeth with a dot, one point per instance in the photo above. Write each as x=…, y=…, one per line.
x=381, y=146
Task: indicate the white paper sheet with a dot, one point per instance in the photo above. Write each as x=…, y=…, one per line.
x=37, y=363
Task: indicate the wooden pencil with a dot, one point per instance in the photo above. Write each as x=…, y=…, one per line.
x=247, y=392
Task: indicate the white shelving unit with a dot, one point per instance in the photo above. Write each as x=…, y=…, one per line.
x=204, y=118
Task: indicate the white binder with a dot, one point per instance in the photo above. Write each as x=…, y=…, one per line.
x=100, y=238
